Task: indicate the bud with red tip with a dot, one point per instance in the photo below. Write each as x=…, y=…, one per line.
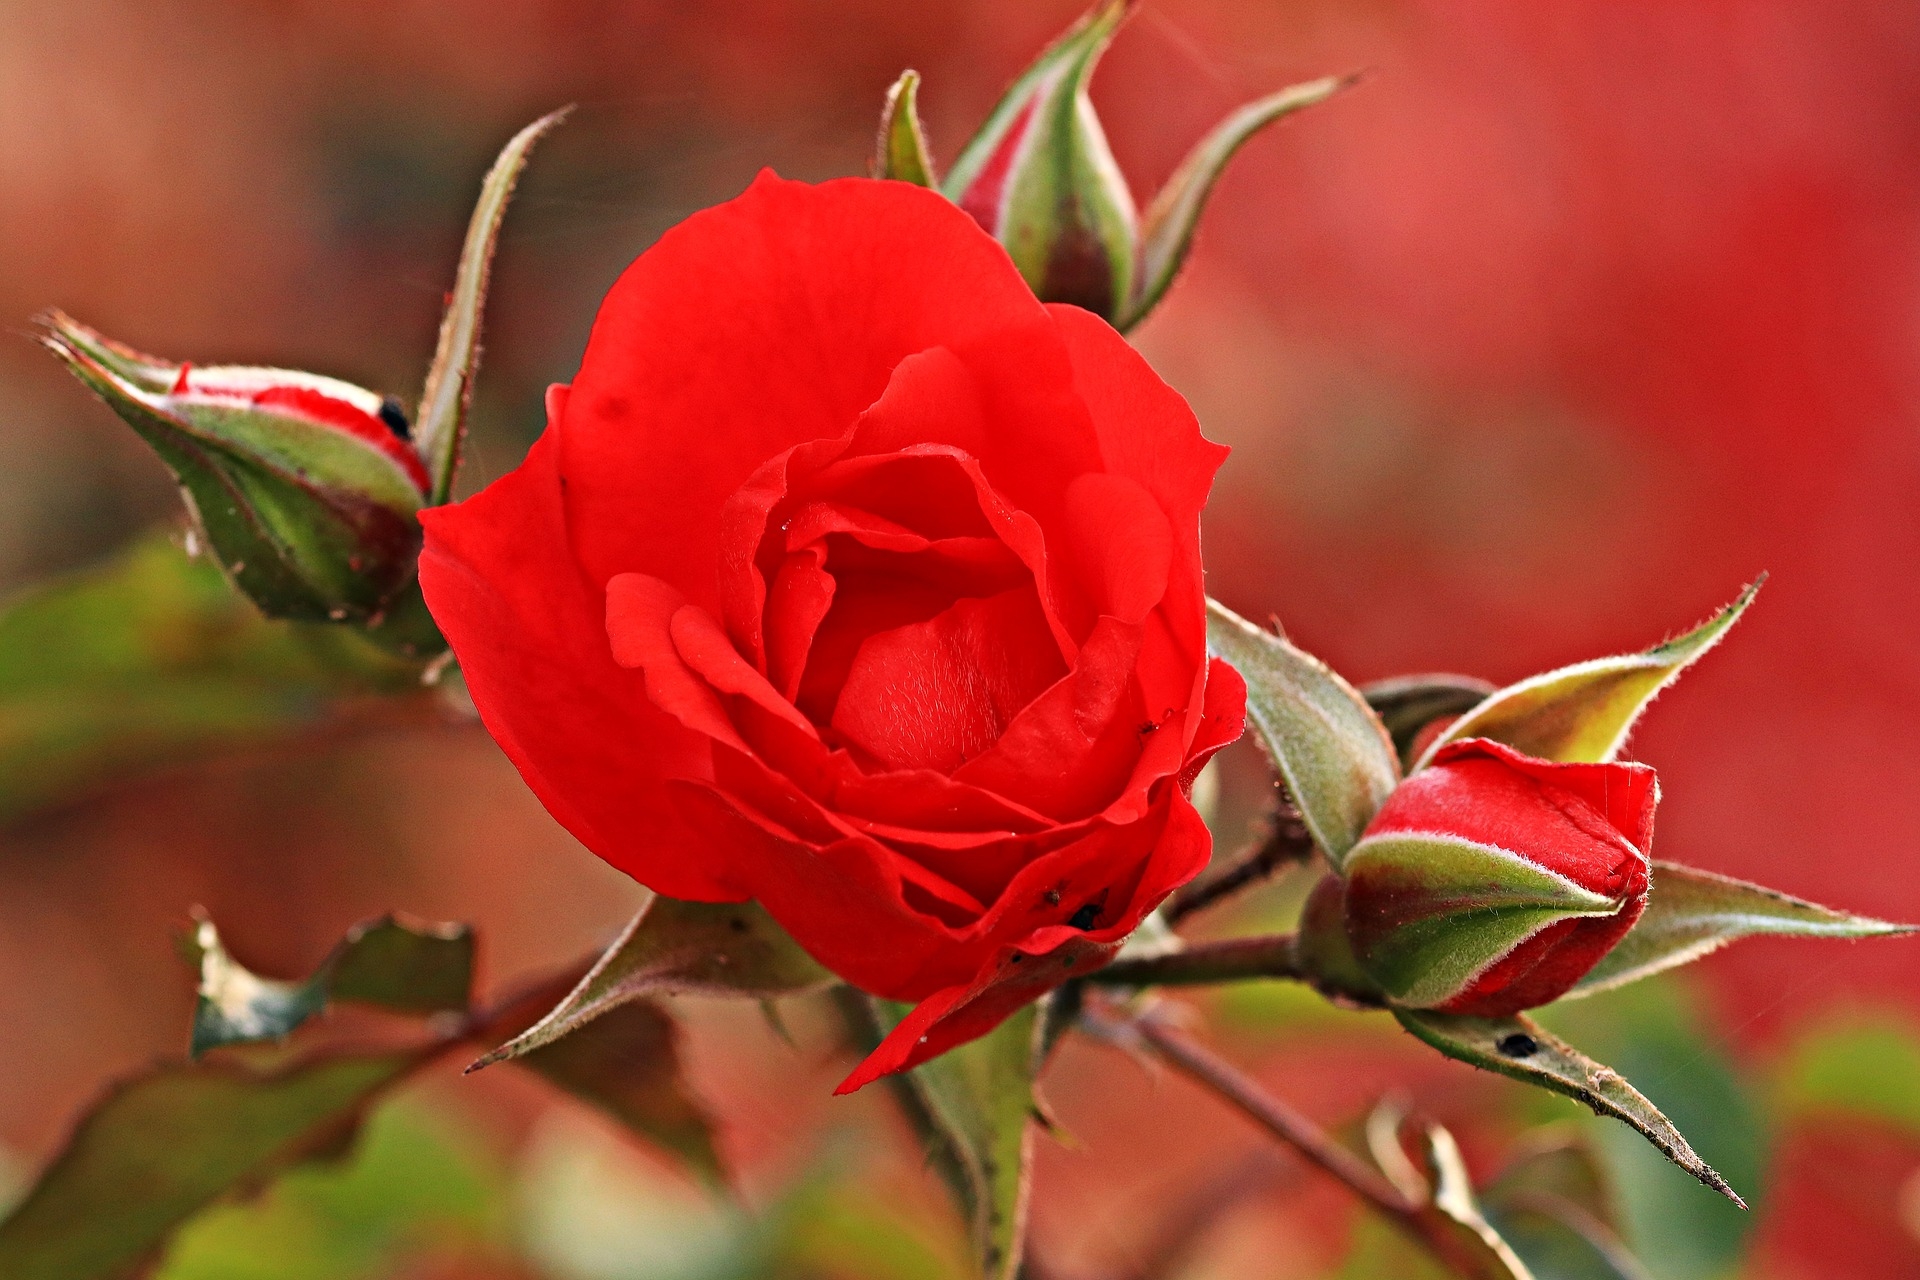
x=1040, y=177
x=1492, y=881
x=307, y=489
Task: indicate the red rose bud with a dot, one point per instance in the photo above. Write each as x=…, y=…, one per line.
x=306, y=488
x=868, y=592
x=1492, y=881
x=1040, y=177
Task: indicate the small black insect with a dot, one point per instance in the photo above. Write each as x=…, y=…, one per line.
x=1083, y=918
x=1518, y=1045
x=1148, y=726
x=1052, y=897
x=394, y=414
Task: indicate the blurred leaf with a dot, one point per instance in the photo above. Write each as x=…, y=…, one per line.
x=1453, y=1201
x=1519, y=1048
x=162, y=1146
x=900, y=152
x=1408, y=704
x=1585, y=712
x=1557, y=1242
x=1865, y=1069
x=975, y=1107
x=1655, y=1033
x=1166, y=232
x=672, y=947
x=1559, y=1161
x=442, y=418
x=1692, y=913
x=627, y=1063
x=418, y=1179
x=153, y=657
x=1331, y=751
x=404, y=967
x=1556, y=1206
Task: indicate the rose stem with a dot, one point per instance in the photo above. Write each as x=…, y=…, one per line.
x=1283, y=843
x=1239, y=1090
x=1230, y=960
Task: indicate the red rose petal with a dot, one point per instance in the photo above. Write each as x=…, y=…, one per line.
x=580, y=728
x=934, y=694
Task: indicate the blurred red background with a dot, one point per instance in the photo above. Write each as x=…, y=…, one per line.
x=1566, y=323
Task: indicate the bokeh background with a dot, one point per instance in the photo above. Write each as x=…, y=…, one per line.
x=1566, y=323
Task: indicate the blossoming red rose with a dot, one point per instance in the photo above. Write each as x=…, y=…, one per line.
x=849, y=578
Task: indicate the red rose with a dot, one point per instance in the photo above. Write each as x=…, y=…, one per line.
x=849, y=578
x=1491, y=881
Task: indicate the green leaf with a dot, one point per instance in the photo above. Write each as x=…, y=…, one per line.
x=1520, y=1048
x=442, y=420
x=1585, y=712
x=1331, y=751
x=1555, y=1205
x=418, y=1172
x=1408, y=704
x=900, y=152
x=1692, y=913
x=975, y=1107
x=1656, y=1033
x=1040, y=177
x=673, y=947
x=1427, y=914
x=1166, y=231
x=404, y=967
x=152, y=657
x=627, y=1063
x=159, y=1148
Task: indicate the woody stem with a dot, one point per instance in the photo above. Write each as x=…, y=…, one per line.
x=1231, y=960
x=1242, y=1092
x=1284, y=842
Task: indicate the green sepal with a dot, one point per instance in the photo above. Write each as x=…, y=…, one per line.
x=1329, y=748
x=1166, y=230
x=1406, y=705
x=1518, y=1047
x=1691, y=913
x=408, y=968
x=672, y=947
x=444, y=400
x=1427, y=914
x=313, y=523
x=900, y=152
x=1323, y=950
x=1040, y=177
x=1583, y=713
x=974, y=1106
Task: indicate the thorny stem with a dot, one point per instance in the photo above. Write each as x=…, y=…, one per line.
x=1284, y=842
x=1243, y=1092
x=1230, y=960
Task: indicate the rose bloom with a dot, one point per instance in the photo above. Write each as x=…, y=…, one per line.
x=850, y=579
x=1574, y=830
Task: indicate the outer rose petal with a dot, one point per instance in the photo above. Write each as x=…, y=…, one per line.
x=1023, y=970
x=529, y=630
x=751, y=327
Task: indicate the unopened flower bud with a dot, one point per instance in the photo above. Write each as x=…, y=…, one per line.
x=306, y=488
x=1492, y=881
x=1040, y=177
